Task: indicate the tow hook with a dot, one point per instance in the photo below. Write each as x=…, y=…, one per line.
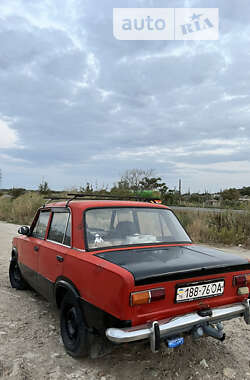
x=210, y=330
x=215, y=332
x=197, y=332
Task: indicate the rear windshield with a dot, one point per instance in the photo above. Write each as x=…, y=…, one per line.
x=111, y=227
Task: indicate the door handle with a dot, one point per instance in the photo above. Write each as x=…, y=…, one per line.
x=36, y=248
x=60, y=259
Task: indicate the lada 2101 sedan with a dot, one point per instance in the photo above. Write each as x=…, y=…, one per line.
x=127, y=271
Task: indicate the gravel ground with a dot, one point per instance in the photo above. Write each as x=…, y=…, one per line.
x=31, y=346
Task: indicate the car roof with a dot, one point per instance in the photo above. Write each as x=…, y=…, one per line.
x=90, y=203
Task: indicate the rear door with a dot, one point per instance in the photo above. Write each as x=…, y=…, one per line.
x=53, y=250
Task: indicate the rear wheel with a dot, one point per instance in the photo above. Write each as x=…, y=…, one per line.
x=73, y=329
x=16, y=279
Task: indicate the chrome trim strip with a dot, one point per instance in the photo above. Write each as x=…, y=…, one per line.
x=79, y=249
x=177, y=324
x=57, y=242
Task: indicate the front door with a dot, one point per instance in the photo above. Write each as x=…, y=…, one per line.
x=29, y=250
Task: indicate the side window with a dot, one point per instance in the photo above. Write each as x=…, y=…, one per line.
x=41, y=225
x=60, y=228
x=67, y=238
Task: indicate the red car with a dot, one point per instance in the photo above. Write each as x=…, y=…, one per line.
x=127, y=271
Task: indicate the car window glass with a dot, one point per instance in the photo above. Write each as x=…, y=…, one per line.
x=149, y=222
x=99, y=220
x=41, y=225
x=58, y=226
x=123, y=215
x=67, y=238
x=132, y=225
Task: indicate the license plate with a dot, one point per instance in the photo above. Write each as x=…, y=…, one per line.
x=200, y=290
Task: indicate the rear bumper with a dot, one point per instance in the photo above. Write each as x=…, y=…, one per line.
x=177, y=325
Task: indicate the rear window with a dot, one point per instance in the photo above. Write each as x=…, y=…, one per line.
x=112, y=227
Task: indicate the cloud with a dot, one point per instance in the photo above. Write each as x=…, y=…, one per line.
x=85, y=106
x=9, y=138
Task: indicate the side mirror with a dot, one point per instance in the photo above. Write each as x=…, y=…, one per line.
x=24, y=230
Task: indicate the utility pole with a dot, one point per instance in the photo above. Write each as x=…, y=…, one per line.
x=179, y=191
x=179, y=186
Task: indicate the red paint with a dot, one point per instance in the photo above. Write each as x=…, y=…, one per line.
x=106, y=285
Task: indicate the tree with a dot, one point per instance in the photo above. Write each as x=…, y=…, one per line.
x=245, y=190
x=152, y=183
x=43, y=188
x=230, y=195
x=88, y=188
x=172, y=197
x=131, y=178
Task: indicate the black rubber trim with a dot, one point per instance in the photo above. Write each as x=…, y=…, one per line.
x=205, y=313
x=60, y=209
x=14, y=254
x=157, y=337
x=67, y=284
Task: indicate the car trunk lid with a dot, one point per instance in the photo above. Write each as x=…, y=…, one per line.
x=161, y=264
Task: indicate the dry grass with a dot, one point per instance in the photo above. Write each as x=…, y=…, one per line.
x=224, y=228
x=22, y=209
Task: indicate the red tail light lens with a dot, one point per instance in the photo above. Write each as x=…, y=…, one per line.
x=147, y=296
x=157, y=294
x=240, y=281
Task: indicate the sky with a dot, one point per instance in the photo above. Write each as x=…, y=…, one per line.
x=77, y=105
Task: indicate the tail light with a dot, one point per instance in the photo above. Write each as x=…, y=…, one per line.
x=242, y=282
x=147, y=296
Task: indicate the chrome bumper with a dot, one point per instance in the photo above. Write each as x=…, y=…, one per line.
x=180, y=324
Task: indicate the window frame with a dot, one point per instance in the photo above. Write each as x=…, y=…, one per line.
x=131, y=245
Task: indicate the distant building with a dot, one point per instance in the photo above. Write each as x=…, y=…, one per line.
x=213, y=203
x=244, y=198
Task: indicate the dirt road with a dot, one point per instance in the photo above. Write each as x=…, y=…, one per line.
x=31, y=347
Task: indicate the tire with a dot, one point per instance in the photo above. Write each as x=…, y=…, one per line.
x=15, y=276
x=73, y=328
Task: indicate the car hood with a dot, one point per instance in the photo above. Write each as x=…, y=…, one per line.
x=154, y=265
